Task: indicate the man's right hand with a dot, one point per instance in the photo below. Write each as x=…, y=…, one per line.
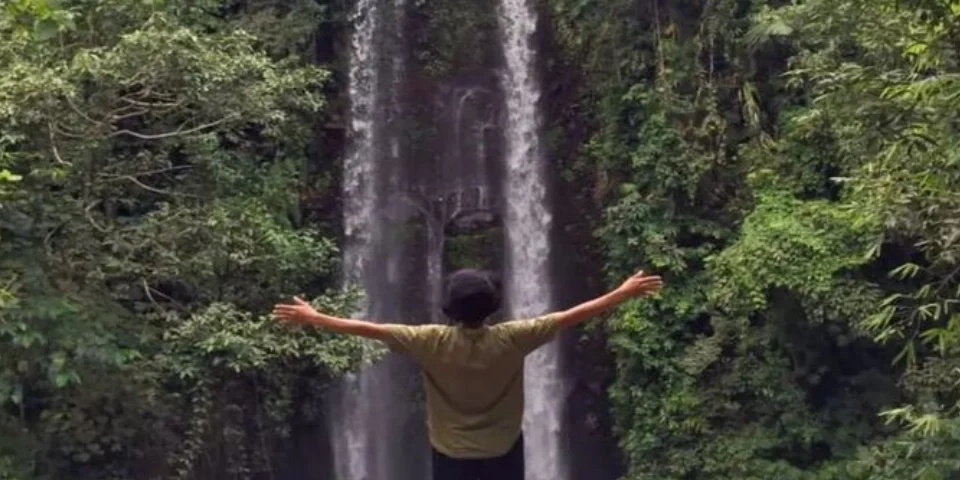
x=640, y=285
x=635, y=286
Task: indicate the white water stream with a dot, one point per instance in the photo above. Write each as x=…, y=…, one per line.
x=527, y=223
x=363, y=430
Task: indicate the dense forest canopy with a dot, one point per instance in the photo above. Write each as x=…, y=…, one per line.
x=154, y=158
x=791, y=168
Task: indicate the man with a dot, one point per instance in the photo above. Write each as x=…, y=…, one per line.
x=473, y=372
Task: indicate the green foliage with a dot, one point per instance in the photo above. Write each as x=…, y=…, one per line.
x=455, y=36
x=792, y=172
x=799, y=246
x=471, y=250
x=224, y=357
x=228, y=340
x=150, y=166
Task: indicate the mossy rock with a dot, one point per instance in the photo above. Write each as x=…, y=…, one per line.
x=473, y=250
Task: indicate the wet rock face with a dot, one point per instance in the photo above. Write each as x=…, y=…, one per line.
x=472, y=222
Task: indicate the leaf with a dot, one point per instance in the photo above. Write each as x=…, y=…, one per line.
x=907, y=270
x=8, y=176
x=908, y=354
x=17, y=395
x=45, y=29
x=61, y=380
x=916, y=48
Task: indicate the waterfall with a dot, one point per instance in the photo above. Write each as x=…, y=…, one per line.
x=368, y=409
x=348, y=429
x=358, y=180
x=528, y=222
x=399, y=198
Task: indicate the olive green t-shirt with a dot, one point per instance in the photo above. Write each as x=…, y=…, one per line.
x=473, y=380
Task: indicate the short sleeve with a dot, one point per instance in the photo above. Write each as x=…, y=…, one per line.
x=528, y=335
x=417, y=341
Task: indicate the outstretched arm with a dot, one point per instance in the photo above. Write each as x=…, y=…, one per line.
x=301, y=312
x=636, y=286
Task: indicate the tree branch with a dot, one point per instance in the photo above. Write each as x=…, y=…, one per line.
x=60, y=131
x=83, y=115
x=53, y=147
x=139, y=103
x=144, y=174
x=49, y=236
x=179, y=131
x=153, y=189
x=86, y=212
x=147, y=289
x=135, y=113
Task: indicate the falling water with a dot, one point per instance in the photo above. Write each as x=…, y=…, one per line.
x=366, y=420
x=527, y=224
x=358, y=182
x=389, y=187
x=348, y=432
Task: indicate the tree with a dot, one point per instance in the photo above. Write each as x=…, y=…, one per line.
x=775, y=163
x=158, y=151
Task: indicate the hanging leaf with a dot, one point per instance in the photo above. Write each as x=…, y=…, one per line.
x=46, y=29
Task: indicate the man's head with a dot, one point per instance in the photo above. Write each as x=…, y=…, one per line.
x=471, y=296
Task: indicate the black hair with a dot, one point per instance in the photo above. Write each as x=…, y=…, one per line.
x=471, y=296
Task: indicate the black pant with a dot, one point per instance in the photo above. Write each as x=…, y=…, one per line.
x=508, y=466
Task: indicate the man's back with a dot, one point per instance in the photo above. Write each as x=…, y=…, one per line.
x=473, y=375
x=473, y=378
